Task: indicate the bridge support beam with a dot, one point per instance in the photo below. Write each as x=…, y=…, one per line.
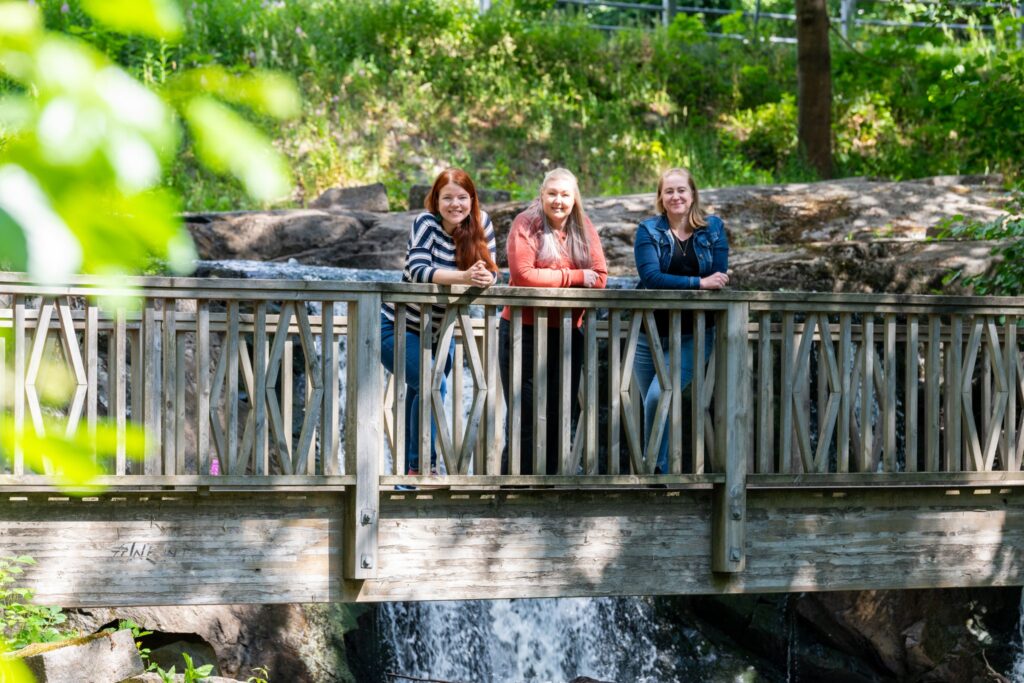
x=364, y=437
x=733, y=414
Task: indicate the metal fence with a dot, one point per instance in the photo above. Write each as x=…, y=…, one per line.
x=850, y=17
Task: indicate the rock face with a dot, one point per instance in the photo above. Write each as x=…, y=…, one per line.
x=363, y=198
x=852, y=235
x=297, y=643
x=914, y=635
x=99, y=658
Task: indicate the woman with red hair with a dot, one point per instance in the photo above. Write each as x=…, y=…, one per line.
x=451, y=243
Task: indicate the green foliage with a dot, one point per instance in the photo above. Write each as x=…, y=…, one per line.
x=1006, y=276
x=260, y=674
x=21, y=622
x=394, y=91
x=84, y=145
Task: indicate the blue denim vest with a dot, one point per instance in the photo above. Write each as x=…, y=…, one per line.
x=705, y=242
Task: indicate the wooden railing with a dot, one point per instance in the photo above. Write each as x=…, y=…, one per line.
x=260, y=384
x=247, y=373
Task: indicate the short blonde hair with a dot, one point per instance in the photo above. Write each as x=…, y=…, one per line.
x=696, y=216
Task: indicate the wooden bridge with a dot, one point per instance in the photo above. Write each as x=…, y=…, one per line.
x=829, y=442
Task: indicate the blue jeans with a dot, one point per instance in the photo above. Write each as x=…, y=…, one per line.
x=412, y=394
x=650, y=387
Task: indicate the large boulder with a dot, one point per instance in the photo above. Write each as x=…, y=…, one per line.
x=296, y=643
x=851, y=235
x=363, y=198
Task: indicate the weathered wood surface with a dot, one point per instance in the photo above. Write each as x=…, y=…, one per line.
x=185, y=548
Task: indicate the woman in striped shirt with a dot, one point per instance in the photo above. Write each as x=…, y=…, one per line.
x=451, y=243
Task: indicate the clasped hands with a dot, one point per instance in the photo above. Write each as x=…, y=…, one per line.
x=478, y=275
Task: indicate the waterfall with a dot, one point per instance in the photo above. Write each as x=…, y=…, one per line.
x=1016, y=674
x=609, y=639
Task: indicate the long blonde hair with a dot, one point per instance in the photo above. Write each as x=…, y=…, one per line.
x=577, y=244
x=696, y=216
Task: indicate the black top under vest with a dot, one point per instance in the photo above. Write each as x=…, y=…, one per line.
x=684, y=262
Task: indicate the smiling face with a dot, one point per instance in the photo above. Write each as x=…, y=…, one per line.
x=454, y=204
x=676, y=196
x=557, y=198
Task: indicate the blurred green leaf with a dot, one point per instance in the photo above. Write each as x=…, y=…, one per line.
x=264, y=92
x=227, y=142
x=154, y=18
x=15, y=249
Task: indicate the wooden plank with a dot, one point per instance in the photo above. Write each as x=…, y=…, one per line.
x=765, y=396
x=932, y=396
x=92, y=362
x=830, y=411
x=867, y=386
x=1010, y=461
x=515, y=408
x=288, y=398
x=329, y=418
x=169, y=374
x=998, y=400
x=954, y=407
x=699, y=444
x=630, y=413
x=910, y=393
x=843, y=432
x=888, y=402
x=445, y=444
x=732, y=413
x=203, y=389
x=426, y=381
x=588, y=417
x=565, y=397
x=233, y=351
x=664, y=401
x=259, y=392
x=491, y=462
x=973, y=457
x=18, y=464
x=788, y=350
x=281, y=433
x=801, y=399
x=364, y=437
x=458, y=390
x=305, y=460
x=151, y=389
x=476, y=409
x=540, y=390
x=401, y=392
x=118, y=374
x=614, y=377
x=179, y=405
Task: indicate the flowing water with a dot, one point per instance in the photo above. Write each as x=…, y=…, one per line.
x=1016, y=675
x=609, y=639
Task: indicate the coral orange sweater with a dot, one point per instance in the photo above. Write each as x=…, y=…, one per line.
x=524, y=271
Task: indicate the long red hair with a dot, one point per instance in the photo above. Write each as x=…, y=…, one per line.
x=470, y=241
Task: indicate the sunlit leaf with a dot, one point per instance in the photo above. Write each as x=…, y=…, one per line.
x=14, y=671
x=154, y=18
x=13, y=247
x=227, y=142
x=267, y=93
x=53, y=252
x=20, y=24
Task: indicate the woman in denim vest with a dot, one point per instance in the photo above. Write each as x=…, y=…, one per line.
x=680, y=248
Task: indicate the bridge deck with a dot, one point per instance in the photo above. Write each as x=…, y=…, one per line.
x=826, y=442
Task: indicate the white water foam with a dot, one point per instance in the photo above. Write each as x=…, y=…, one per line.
x=610, y=639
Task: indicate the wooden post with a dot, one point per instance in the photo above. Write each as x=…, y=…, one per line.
x=733, y=411
x=364, y=435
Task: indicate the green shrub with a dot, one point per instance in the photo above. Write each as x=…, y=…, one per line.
x=21, y=622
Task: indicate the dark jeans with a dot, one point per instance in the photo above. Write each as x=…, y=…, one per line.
x=555, y=391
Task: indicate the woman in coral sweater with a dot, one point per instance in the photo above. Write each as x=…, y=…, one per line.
x=551, y=244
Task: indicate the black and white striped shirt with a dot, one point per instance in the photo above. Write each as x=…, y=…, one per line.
x=430, y=249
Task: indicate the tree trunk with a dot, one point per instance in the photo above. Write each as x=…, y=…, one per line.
x=814, y=85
